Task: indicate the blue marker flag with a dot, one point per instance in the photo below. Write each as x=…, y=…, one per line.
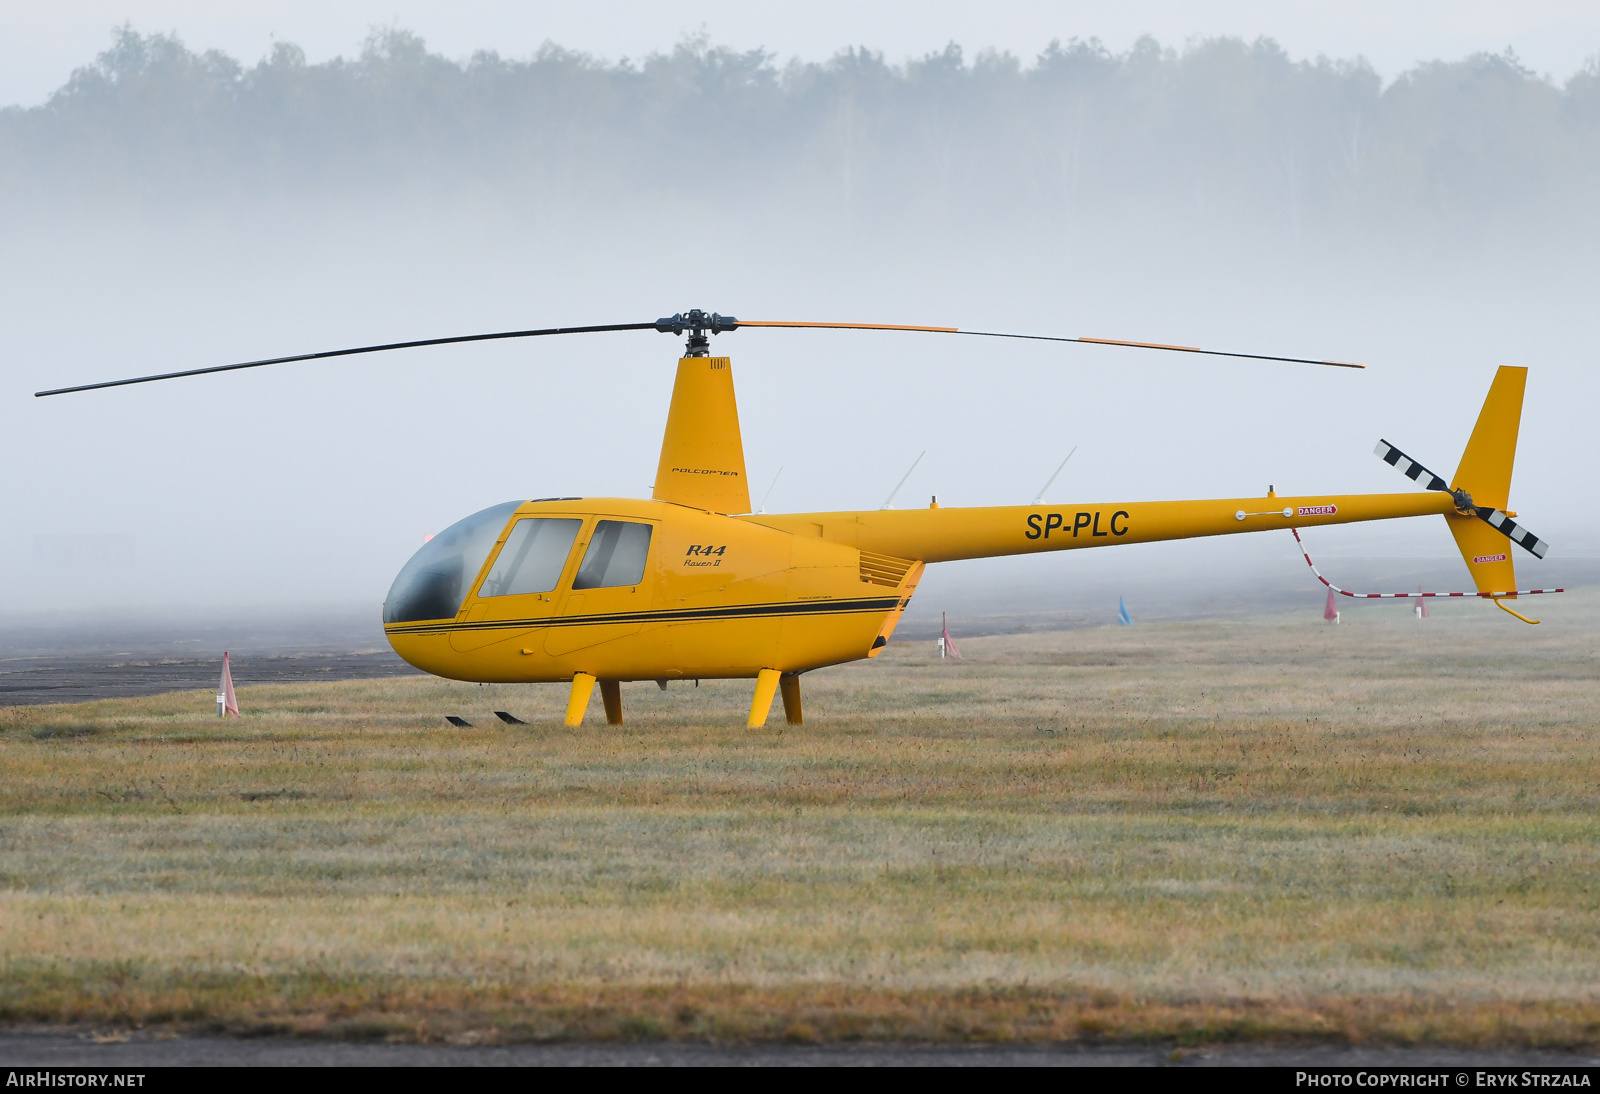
x=1122, y=613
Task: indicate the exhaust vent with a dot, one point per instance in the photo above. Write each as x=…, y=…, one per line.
x=883, y=569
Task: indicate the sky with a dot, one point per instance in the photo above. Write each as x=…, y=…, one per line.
x=40, y=44
x=297, y=486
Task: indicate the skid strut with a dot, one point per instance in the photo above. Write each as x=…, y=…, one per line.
x=761, y=704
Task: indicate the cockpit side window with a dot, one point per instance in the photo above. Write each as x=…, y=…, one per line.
x=534, y=555
x=616, y=555
x=435, y=582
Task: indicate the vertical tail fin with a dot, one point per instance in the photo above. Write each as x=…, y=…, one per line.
x=1485, y=473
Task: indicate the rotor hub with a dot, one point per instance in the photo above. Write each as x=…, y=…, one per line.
x=698, y=325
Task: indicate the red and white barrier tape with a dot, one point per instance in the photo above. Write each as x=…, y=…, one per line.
x=1402, y=596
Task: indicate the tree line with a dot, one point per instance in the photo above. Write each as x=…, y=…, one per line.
x=1224, y=132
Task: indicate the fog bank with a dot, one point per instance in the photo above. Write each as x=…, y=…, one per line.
x=168, y=209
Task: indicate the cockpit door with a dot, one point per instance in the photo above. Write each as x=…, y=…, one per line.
x=521, y=584
x=612, y=590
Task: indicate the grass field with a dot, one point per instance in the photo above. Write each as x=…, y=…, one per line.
x=1251, y=829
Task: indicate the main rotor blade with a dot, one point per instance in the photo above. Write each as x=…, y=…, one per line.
x=347, y=353
x=848, y=326
x=1052, y=338
x=694, y=321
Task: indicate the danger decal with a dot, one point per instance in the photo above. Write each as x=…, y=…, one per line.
x=1317, y=510
x=1476, y=559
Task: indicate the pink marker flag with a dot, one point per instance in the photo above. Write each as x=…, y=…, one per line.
x=949, y=643
x=225, y=689
x=1331, y=612
x=1422, y=606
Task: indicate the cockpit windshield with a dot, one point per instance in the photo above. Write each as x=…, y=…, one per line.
x=435, y=582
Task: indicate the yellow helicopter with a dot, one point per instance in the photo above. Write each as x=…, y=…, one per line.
x=692, y=585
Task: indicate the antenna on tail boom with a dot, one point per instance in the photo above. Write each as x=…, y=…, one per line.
x=1040, y=499
x=768, y=494
x=888, y=503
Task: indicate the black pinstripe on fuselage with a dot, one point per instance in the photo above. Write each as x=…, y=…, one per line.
x=659, y=615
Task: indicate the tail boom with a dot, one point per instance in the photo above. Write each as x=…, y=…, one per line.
x=947, y=535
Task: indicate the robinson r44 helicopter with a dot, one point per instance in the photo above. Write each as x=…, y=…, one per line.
x=692, y=585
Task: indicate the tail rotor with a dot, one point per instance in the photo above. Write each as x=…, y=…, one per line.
x=1497, y=519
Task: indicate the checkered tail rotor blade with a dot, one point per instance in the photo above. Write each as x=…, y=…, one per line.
x=1409, y=467
x=1495, y=518
x=1513, y=531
